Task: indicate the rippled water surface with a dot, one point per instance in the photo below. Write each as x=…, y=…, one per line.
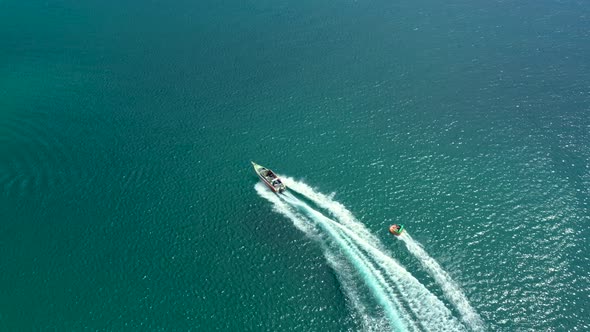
x=127, y=199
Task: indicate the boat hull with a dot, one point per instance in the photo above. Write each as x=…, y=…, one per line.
x=272, y=181
x=268, y=184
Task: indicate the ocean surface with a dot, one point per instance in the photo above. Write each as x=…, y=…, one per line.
x=128, y=202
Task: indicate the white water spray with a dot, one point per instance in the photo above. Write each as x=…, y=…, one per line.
x=431, y=313
x=281, y=207
x=339, y=211
x=371, y=275
x=450, y=289
x=368, y=242
x=305, y=225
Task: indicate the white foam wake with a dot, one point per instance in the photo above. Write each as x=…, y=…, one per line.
x=406, y=302
x=412, y=288
x=372, y=277
x=450, y=289
x=369, y=322
x=338, y=210
x=430, y=312
x=282, y=207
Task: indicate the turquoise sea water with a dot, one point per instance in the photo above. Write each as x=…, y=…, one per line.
x=127, y=200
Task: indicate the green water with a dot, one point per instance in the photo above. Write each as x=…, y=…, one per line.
x=127, y=200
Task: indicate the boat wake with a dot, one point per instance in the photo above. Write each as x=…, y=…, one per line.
x=450, y=289
x=380, y=291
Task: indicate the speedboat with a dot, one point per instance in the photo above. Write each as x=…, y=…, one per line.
x=396, y=229
x=269, y=178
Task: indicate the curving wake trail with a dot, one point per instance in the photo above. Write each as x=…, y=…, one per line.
x=405, y=302
x=359, y=262
x=372, y=245
x=371, y=275
x=450, y=289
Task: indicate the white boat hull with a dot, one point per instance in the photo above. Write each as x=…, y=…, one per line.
x=269, y=178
